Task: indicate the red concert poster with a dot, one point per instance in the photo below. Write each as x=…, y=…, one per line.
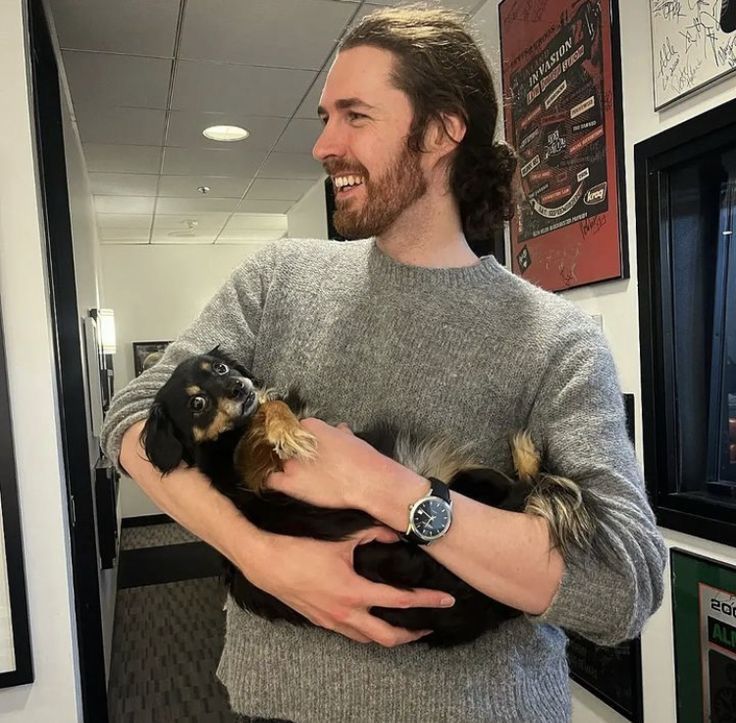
x=562, y=112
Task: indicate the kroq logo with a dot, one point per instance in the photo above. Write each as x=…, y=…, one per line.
x=597, y=194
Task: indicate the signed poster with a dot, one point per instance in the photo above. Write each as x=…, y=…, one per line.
x=693, y=44
x=561, y=88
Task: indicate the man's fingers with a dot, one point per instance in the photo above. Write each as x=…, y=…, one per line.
x=386, y=596
x=384, y=634
x=377, y=534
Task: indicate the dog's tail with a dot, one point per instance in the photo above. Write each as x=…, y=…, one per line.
x=558, y=500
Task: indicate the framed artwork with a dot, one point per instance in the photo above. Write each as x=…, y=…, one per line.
x=693, y=45
x=147, y=353
x=562, y=111
x=16, y=666
x=704, y=621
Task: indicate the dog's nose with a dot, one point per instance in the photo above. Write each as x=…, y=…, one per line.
x=238, y=389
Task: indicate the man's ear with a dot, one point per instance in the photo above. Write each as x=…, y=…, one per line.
x=163, y=447
x=445, y=133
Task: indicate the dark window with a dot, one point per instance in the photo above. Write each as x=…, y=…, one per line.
x=686, y=215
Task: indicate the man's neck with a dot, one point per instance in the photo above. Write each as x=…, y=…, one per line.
x=429, y=234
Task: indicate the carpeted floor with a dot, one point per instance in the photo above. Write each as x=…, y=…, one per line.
x=168, y=631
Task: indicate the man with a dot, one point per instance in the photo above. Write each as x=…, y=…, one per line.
x=413, y=327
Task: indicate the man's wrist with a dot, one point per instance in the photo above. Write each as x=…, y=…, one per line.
x=393, y=493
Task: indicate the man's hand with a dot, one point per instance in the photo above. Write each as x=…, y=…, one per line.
x=344, y=473
x=317, y=579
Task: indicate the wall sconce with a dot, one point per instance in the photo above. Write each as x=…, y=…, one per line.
x=106, y=327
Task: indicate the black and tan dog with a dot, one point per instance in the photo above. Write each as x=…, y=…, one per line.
x=213, y=415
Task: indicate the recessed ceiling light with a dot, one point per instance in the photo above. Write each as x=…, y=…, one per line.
x=225, y=133
x=203, y=189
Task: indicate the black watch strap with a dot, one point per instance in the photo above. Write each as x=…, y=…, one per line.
x=438, y=489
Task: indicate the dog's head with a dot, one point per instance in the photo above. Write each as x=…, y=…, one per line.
x=205, y=396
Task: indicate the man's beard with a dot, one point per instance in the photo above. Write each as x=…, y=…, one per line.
x=385, y=199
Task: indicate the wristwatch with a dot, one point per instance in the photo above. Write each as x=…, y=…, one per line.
x=430, y=516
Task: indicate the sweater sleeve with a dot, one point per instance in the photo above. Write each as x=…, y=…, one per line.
x=579, y=417
x=230, y=319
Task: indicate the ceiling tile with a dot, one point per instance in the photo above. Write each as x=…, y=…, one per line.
x=300, y=136
x=116, y=26
x=252, y=245
x=186, y=186
x=127, y=126
x=123, y=184
x=124, y=204
x=227, y=162
x=221, y=88
x=185, y=130
x=466, y=5
x=259, y=221
x=200, y=223
x=272, y=189
x=283, y=34
x=207, y=239
x=265, y=206
x=122, y=159
x=125, y=240
x=108, y=80
x=129, y=222
x=308, y=107
x=195, y=205
x=290, y=165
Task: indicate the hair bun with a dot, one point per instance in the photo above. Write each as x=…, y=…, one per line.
x=481, y=180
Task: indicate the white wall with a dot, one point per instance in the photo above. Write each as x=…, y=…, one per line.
x=308, y=218
x=156, y=291
x=617, y=303
x=54, y=696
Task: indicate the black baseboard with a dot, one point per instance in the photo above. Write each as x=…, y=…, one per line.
x=143, y=520
x=168, y=563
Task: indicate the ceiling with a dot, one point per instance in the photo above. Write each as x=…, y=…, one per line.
x=147, y=76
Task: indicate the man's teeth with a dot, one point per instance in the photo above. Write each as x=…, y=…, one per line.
x=342, y=181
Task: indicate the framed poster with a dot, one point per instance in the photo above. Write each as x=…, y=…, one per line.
x=562, y=111
x=704, y=621
x=693, y=45
x=15, y=644
x=147, y=353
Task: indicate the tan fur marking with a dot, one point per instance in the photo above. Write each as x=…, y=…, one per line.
x=274, y=435
x=223, y=421
x=205, y=366
x=526, y=456
x=193, y=390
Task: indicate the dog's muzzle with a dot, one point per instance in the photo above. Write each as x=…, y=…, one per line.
x=241, y=389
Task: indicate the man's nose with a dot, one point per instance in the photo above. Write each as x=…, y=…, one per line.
x=329, y=144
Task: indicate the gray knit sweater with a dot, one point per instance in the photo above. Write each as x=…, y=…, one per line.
x=475, y=352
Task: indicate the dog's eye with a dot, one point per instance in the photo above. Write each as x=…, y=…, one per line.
x=197, y=403
x=220, y=368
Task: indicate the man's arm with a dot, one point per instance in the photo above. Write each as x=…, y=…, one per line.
x=314, y=578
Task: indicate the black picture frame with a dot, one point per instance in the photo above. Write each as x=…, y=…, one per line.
x=614, y=675
x=141, y=349
x=653, y=158
x=22, y=673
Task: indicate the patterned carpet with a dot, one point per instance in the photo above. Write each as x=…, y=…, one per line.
x=168, y=637
x=135, y=538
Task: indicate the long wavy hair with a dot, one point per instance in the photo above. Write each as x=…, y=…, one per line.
x=443, y=72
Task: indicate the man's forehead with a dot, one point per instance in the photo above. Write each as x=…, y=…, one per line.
x=358, y=75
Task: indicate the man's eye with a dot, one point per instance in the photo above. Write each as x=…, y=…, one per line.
x=220, y=368
x=197, y=404
x=356, y=116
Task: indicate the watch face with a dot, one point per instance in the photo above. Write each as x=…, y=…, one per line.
x=431, y=518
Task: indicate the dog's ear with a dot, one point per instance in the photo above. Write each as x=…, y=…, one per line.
x=163, y=447
x=214, y=351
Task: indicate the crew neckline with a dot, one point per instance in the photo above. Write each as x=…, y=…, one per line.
x=382, y=264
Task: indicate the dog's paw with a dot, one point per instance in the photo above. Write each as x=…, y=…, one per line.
x=295, y=443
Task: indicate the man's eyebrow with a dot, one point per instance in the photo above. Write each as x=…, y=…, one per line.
x=345, y=103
